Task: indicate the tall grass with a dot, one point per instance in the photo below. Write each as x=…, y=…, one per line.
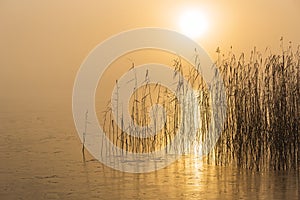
x=263, y=95
x=261, y=131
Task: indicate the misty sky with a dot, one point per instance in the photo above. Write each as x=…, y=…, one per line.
x=43, y=43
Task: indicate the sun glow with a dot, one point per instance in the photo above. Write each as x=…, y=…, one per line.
x=193, y=23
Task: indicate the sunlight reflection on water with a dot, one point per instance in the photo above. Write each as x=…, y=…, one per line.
x=41, y=159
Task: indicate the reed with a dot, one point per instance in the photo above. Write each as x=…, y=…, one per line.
x=262, y=128
x=261, y=131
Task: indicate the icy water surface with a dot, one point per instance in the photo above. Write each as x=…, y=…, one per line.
x=41, y=159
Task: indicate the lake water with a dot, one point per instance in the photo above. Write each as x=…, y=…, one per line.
x=41, y=159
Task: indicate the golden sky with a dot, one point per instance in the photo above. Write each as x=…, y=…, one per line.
x=43, y=43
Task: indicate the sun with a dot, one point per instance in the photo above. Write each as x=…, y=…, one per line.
x=193, y=23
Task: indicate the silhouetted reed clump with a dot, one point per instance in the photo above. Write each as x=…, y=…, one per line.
x=144, y=100
x=263, y=117
x=261, y=130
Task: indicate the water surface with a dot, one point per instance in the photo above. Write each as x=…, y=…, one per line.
x=41, y=159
